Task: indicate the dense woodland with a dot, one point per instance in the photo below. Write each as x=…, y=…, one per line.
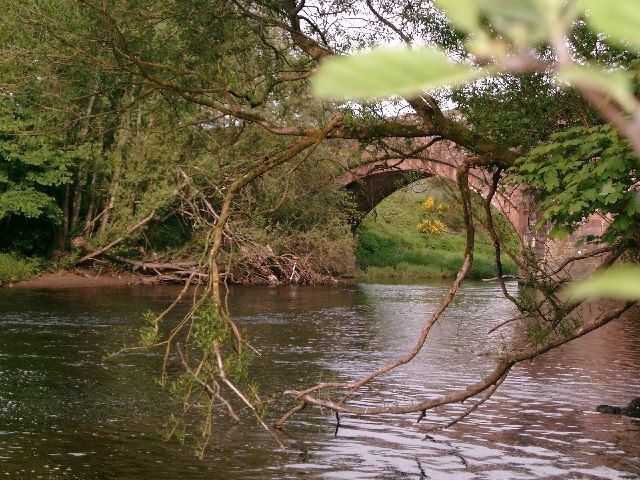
x=98, y=137
x=130, y=120
x=182, y=137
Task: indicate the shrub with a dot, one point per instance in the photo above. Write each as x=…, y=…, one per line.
x=14, y=268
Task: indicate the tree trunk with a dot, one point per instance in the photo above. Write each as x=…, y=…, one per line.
x=63, y=231
x=89, y=221
x=118, y=153
x=77, y=198
x=81, y=173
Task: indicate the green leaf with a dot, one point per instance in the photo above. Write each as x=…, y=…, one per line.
x=577, y=206
x=607, y=189
x=619, y=19
x=560, y=232
x=620, y=282
x=623, y=222
x=551, y=180
x=511, y=10
x=591, y=194
x=612, y=198
x=616, y=83
x=386, y=72
x=633, y=208
x=519, y=19
x=463, y=13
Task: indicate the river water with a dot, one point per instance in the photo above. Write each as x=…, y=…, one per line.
x=67, y=412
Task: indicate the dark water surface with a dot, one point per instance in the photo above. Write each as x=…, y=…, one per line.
x=66, y=412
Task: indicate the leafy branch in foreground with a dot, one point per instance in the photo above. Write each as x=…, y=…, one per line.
x=621, y=282
x=524, y=24
x=582, y=172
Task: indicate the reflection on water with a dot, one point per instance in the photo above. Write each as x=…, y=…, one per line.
x=66, y=412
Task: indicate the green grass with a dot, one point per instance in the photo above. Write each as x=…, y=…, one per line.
x=14, y=268
x=391, y=246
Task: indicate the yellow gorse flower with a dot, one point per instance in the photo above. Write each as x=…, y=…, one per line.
x=428, y=203
x=433, y=227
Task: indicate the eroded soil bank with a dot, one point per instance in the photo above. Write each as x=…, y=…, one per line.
x=64, y=279
x=78, y=279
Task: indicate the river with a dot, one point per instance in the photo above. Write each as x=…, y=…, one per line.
x=66, y=412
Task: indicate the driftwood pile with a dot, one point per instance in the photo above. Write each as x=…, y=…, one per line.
x=256, y=266
x=171, y=272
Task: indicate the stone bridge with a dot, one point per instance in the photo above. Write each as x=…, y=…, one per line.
x=371, y=182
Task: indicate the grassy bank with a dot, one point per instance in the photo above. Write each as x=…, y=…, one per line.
x=390, y=244
x=14, y=268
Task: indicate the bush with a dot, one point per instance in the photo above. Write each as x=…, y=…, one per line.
x=14, y=268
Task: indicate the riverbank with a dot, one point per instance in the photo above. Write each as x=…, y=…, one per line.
x=89, y=279
x=399, y=240
x=78, y=279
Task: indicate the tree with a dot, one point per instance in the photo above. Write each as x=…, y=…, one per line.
x=33, y=172
x=523, y=24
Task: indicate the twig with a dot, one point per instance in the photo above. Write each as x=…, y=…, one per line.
x=223, y=376
x=487, y=395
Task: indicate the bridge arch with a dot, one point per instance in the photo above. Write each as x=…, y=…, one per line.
x=372, y=182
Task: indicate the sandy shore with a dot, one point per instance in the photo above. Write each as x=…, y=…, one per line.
x=78, y=279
